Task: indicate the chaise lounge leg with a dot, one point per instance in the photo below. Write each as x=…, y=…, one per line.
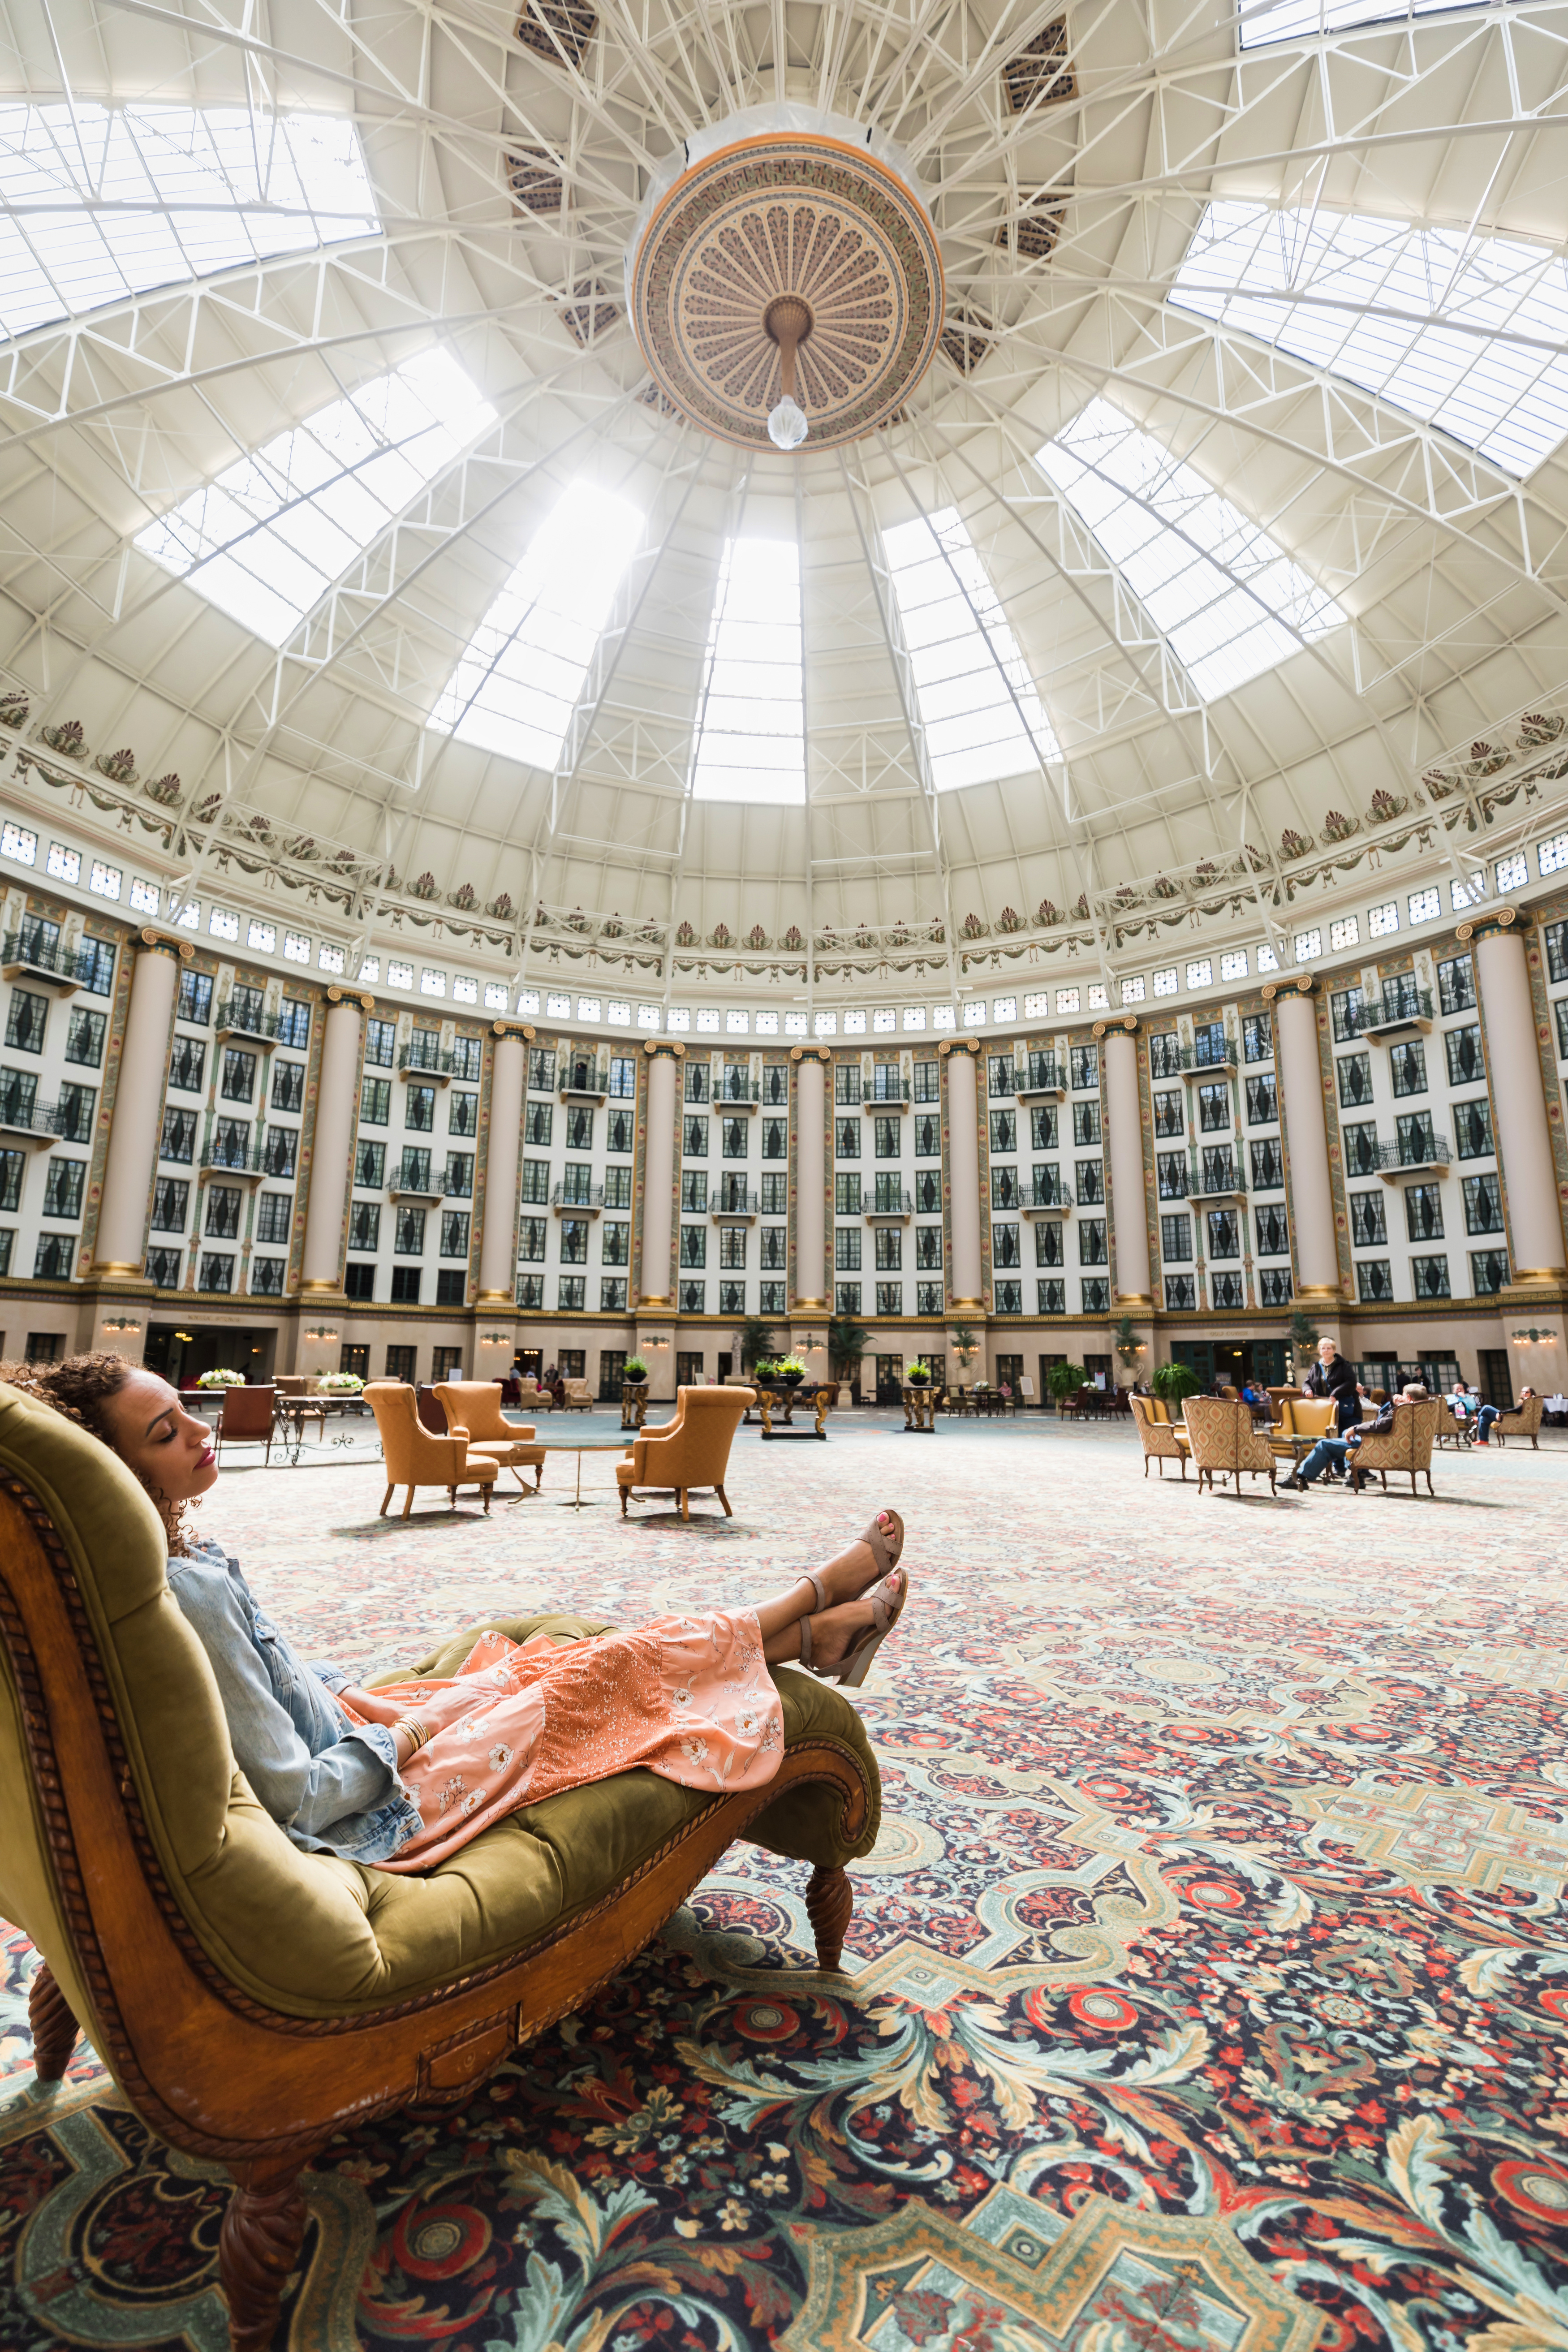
x=260, y=2243
x=55, y=2029
x=830, y=1900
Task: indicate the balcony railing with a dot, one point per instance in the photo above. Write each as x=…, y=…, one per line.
x=733, y=1201
x=1047, y=1196
x=24, y=952
x=423, y=1061
x=1400, y=1008
x=46, y=1120
x=890, y=1094
x=1179, y=1061
x=1427, y=1149
x=235, y=1159
x=1213, y=1176
x=577, y=1196
x=1038, y=1075
x=739, y=1088
x=235, y=1019
x=893, y=1202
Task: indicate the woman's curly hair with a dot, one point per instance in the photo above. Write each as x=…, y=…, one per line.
x=80, y=1389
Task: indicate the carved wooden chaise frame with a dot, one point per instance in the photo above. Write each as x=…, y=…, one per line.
x=207, y=2067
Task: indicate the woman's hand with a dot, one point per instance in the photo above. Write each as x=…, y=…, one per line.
x=369, y=1705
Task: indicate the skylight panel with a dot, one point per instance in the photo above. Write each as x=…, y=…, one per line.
x=1296, y=20
x=515, y=688
x=270, y=534
x=1465, y=331
x=750, y=736
x=99, y=202
x=1228, y=598
x=982, y=717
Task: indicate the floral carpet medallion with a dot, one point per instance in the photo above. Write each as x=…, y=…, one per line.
x=1207, y=1990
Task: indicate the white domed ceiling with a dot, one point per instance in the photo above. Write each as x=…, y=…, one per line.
x=336, y=490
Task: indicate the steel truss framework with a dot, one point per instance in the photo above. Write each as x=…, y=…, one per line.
x=1455, y=572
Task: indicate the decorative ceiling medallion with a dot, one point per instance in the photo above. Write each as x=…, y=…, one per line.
x=790, y=246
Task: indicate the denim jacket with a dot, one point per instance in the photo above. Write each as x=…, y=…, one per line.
x=332, y=1786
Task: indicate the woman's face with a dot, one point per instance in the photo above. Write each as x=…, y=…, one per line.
x=166, y=1447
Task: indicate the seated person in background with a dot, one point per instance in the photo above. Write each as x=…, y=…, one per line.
x=1491, y=1413
x=1252, y=1395
x=1333, y=1453
x=402, y=1778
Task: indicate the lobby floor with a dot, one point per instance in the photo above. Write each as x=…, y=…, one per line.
x=1208, y=1985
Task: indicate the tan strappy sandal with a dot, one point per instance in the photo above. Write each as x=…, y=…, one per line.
x=886, y=1608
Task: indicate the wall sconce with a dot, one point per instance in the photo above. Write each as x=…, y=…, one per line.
x=124, y=1323
x=495, y=1338
x=662, y=1341
x=320, y=1331
x=1524, y=1338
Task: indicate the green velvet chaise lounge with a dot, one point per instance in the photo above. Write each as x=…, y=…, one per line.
x=250, y=1998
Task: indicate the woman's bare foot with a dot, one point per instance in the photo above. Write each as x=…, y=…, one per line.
x=835, y=1632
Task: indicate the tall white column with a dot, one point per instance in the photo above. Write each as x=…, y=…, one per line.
x=331, y=1153
x=810, y=1208
x=658, y=1179
x=963, y=1180
x=1300, y=1073
x=138, y=1111
x=498, y=1244
x=1129, y=1198
x=1524, y=1140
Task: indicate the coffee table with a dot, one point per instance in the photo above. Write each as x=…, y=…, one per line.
x=589, y=1445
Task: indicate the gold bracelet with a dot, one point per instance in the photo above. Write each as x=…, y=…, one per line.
x=418, y=1734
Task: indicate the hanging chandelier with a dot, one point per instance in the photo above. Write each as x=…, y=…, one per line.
x=783, y=280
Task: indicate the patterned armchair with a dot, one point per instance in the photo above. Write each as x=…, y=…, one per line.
x=1406, y=1446
x=1524, y=1422
x=1161, y=1443
x=1223, y=1440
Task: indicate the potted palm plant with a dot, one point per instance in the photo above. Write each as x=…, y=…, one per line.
x=789, y=1371
x=634, y=1371
x=918, y=1374
x=1065, y=1380
x=1173, y=1383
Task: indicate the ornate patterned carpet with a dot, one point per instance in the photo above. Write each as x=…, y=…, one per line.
x=1208, y=1987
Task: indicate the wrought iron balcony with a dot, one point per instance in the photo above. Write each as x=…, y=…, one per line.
x=1039, y=1079
x=244, y=1161
x=1183, y=1061
x=1405, y=1009
x=1047, y=1197
x=892, y=1206
x=1423, y=1153
x=423, y=1062
x=577, y=1199
x=26, y=956
x=36, y=1124
x=234, y=1018
x=731, y=1204
x=1217, y=1176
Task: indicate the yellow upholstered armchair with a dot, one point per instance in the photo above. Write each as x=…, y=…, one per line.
x=416, y=1458
x=1523, y=1422
x=1161, y=1441
x=690, y=1453
x=473, y=1413
x=1224, y=1440
x=1406, y=1446
x=1300, y=1416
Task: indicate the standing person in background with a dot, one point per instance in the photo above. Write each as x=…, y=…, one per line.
x=1334, y=1378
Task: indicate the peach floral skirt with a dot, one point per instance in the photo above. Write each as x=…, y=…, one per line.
x=689, y=1697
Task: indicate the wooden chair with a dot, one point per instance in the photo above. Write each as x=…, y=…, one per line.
x=577, y=1398
x=1524, y=1422
x=250, y=1999
x=1161, y=1443
x=245, y=1418
x=688, y=1455
x=1406, y=1446
x=1224, y=1442
x=298, y=1403
x=417, y=1458
x=473, y=1410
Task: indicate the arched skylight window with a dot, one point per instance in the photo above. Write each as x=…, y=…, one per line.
x=100, y=201
x=982, y=717
x=1466, y=331
x=268, y=537
x=750, y=728
x=1228, y=598
x=516, y=685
